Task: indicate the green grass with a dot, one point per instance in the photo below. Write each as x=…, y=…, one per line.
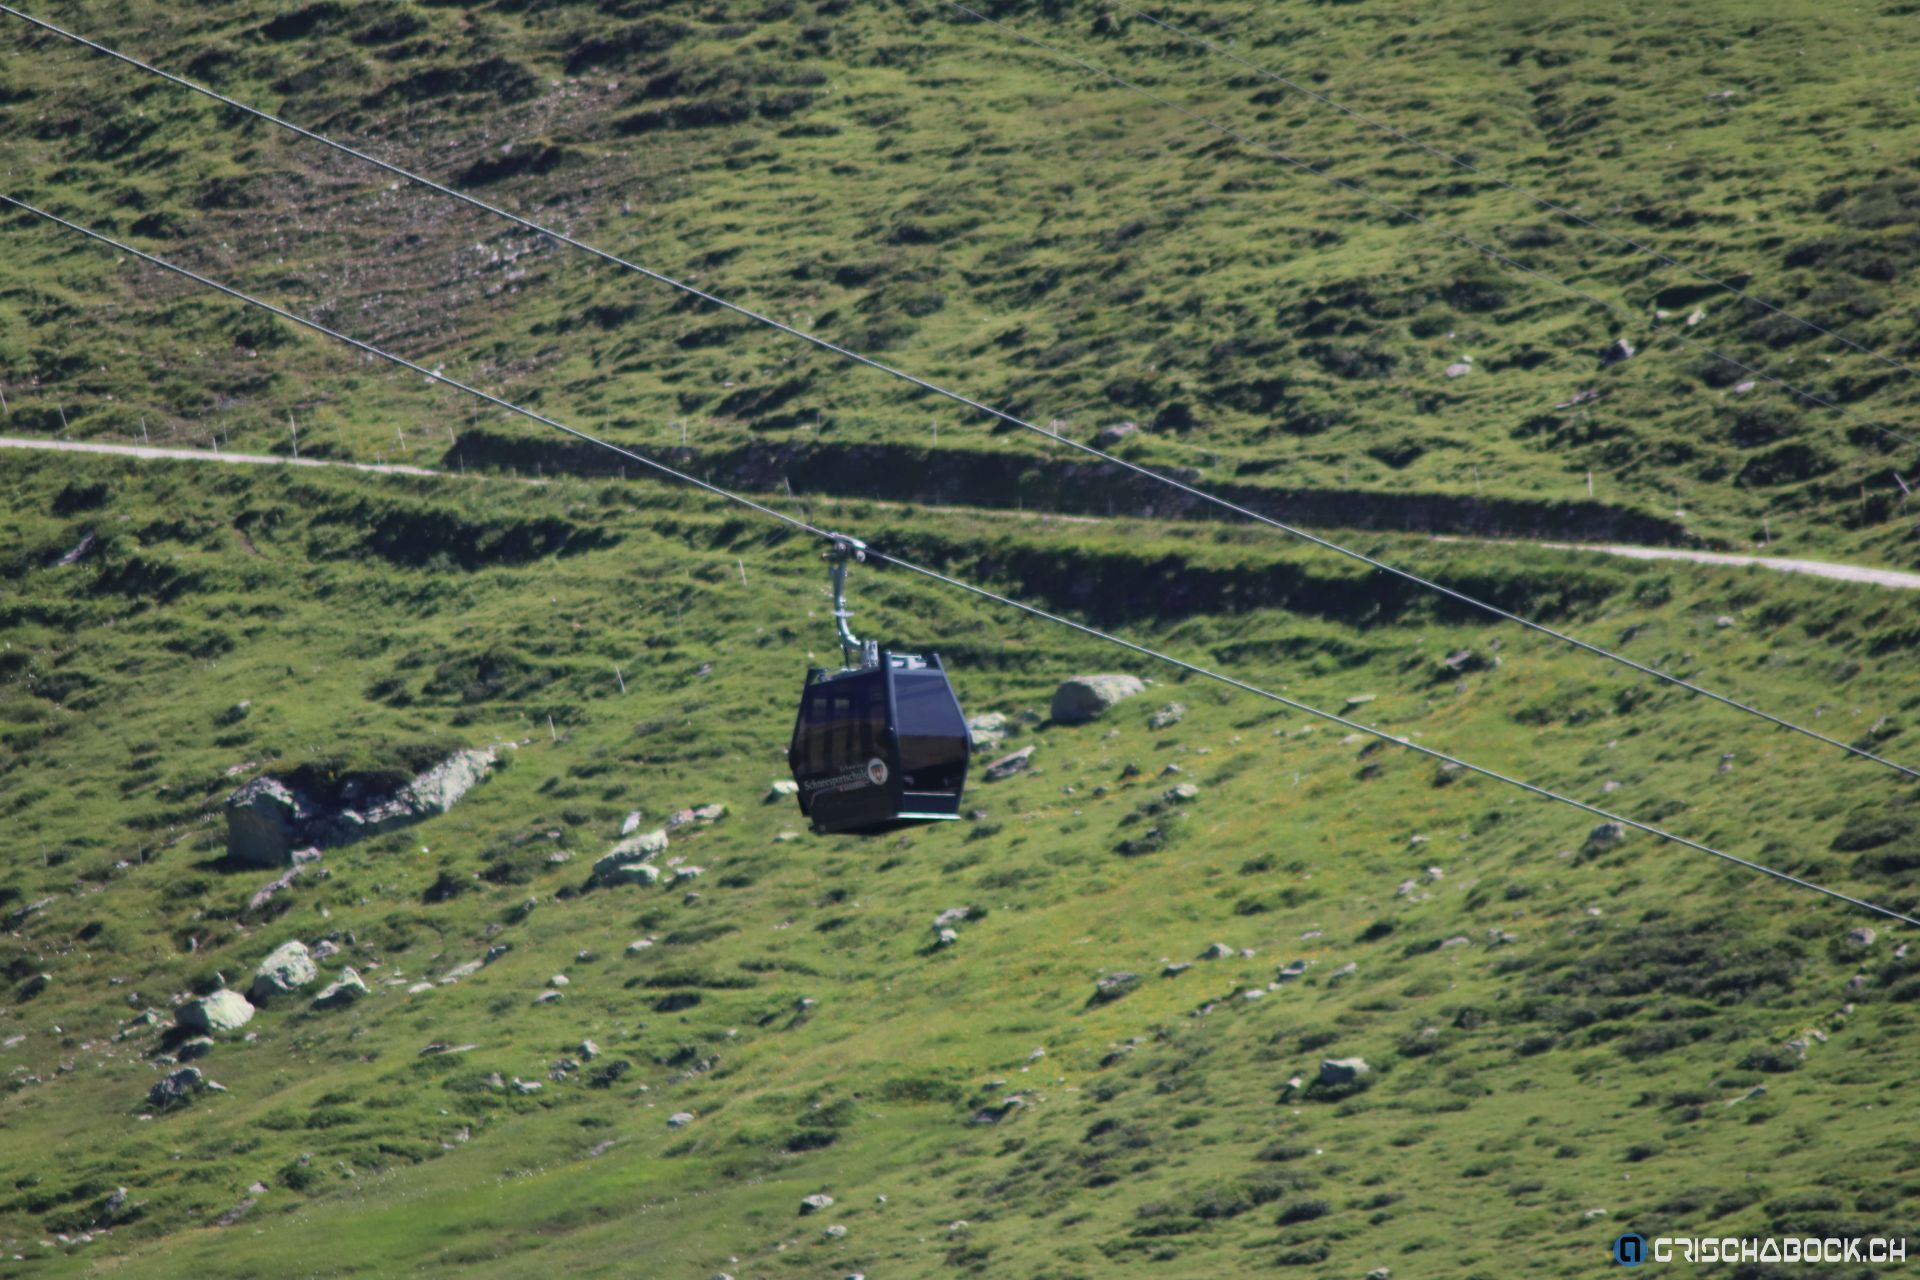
x=908, y=181
x=1589, y=1063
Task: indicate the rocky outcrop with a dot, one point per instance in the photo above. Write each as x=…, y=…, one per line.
x=270, y=818
x=286, y=970
x=1085, y=698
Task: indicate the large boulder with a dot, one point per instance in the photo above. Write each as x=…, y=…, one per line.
x=1336, y=1071
x=286, y=970
x=615, y=869
x=220, y=1012
x=266, y=821
x=1085, y=698
x=638, y=848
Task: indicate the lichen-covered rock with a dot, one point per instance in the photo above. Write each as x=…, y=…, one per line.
x=220, y=1012
x=782, y=789
x=289, y=967
x=989, y=730
x=1085, y=698
x=1113, y=986
x=815, y=1203
x=1167, y=717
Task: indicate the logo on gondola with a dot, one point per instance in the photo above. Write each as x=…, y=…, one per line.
x=877, y=771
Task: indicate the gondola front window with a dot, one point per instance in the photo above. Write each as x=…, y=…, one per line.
x=931, y=731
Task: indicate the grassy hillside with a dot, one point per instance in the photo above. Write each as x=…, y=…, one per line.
x=912, y=182
x=1609, y=1045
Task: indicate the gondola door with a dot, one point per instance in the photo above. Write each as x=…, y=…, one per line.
x=842, y=754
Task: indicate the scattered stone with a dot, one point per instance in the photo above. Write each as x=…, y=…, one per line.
x=681, y=874
x=198, y=1047
x=1292, y=972
x=1360, y=700
x=1861, y=937
x=1218, y=951
x=610, y=871
x=325, y=949
x=638, y=945
x=547, y=997
x=20, y=915
x=220, y=1012
x=286, y=969
x=176, y=1089
x=34, y=985
x=1167, y=717
x=698, y=815
x=1085, y=698
x=781, y=789
x=1107, y=437
x=1724, y=621
x=527, y=1086
x=1343, y=1070
x=815, y=1203
x=495, y=951
x=1459, y=369
x=1006, y=766
x=1253, y=993
x=342, y=991
x=589, y=1050
x=636, y=848
x=460, y=971
x=1497, y=937
x=1581, y=397
x=1380, y=1273
x=1741, y=388
x=1180, y=794
x=1176, y=969
x=1113, y=986
x=1695, y=317
x=952, y=915
x=1617, y=350
x=558, y=980
x=630, y=824
x=1605, y=836
x=946, y=938
x=1344, y=972
x=835, y=1232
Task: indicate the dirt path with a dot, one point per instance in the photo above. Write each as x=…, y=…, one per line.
x=1894, y=578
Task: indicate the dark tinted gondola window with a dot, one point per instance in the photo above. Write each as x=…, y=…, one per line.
x=844, y=724
x=932, y=734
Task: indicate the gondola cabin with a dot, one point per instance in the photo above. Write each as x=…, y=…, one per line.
x=880, y=745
